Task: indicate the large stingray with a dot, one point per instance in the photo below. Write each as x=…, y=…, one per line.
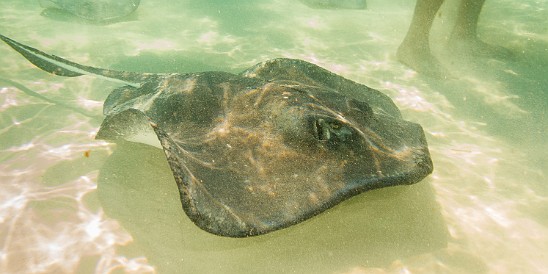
x=93, y=10
x=263, y=149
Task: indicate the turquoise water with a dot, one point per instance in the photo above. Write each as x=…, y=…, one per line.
x=70, y=203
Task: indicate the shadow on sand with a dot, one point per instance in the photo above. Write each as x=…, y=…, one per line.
x=136, y=187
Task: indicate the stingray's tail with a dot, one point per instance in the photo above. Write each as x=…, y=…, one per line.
x=59, y=66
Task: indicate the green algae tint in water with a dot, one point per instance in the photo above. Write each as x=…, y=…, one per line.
x=73, y=204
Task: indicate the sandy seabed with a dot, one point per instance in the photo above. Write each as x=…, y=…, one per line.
x=71, y=204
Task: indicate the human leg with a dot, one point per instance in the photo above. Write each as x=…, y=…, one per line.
x=414, y=51
x=464, y=38
x=467, y=19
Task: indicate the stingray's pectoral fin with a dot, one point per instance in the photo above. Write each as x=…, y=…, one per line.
x=62, y=67
x=130, y=125
x=206, y=210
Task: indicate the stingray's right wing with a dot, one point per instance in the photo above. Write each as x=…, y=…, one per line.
x=302, y=72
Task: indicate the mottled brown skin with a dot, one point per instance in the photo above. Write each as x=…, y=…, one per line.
x=269, y=147
x=251, y=152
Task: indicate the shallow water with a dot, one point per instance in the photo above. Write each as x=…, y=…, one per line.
x=70, y=203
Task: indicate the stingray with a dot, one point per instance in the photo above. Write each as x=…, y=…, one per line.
x=91, y=10
x=264, y=149
x=336, y=4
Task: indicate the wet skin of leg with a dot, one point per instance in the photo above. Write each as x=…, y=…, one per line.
x=464, y=39
x=414, y=51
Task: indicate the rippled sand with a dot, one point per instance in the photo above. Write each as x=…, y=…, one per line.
x=69, y=203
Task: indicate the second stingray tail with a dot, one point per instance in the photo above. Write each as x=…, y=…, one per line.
x=62, y=67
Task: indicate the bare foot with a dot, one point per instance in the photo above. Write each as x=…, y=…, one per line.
x=477, y=48
x=420, y=59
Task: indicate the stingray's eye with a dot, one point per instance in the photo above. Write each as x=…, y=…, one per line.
x=331, y=131
x=321, y=130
